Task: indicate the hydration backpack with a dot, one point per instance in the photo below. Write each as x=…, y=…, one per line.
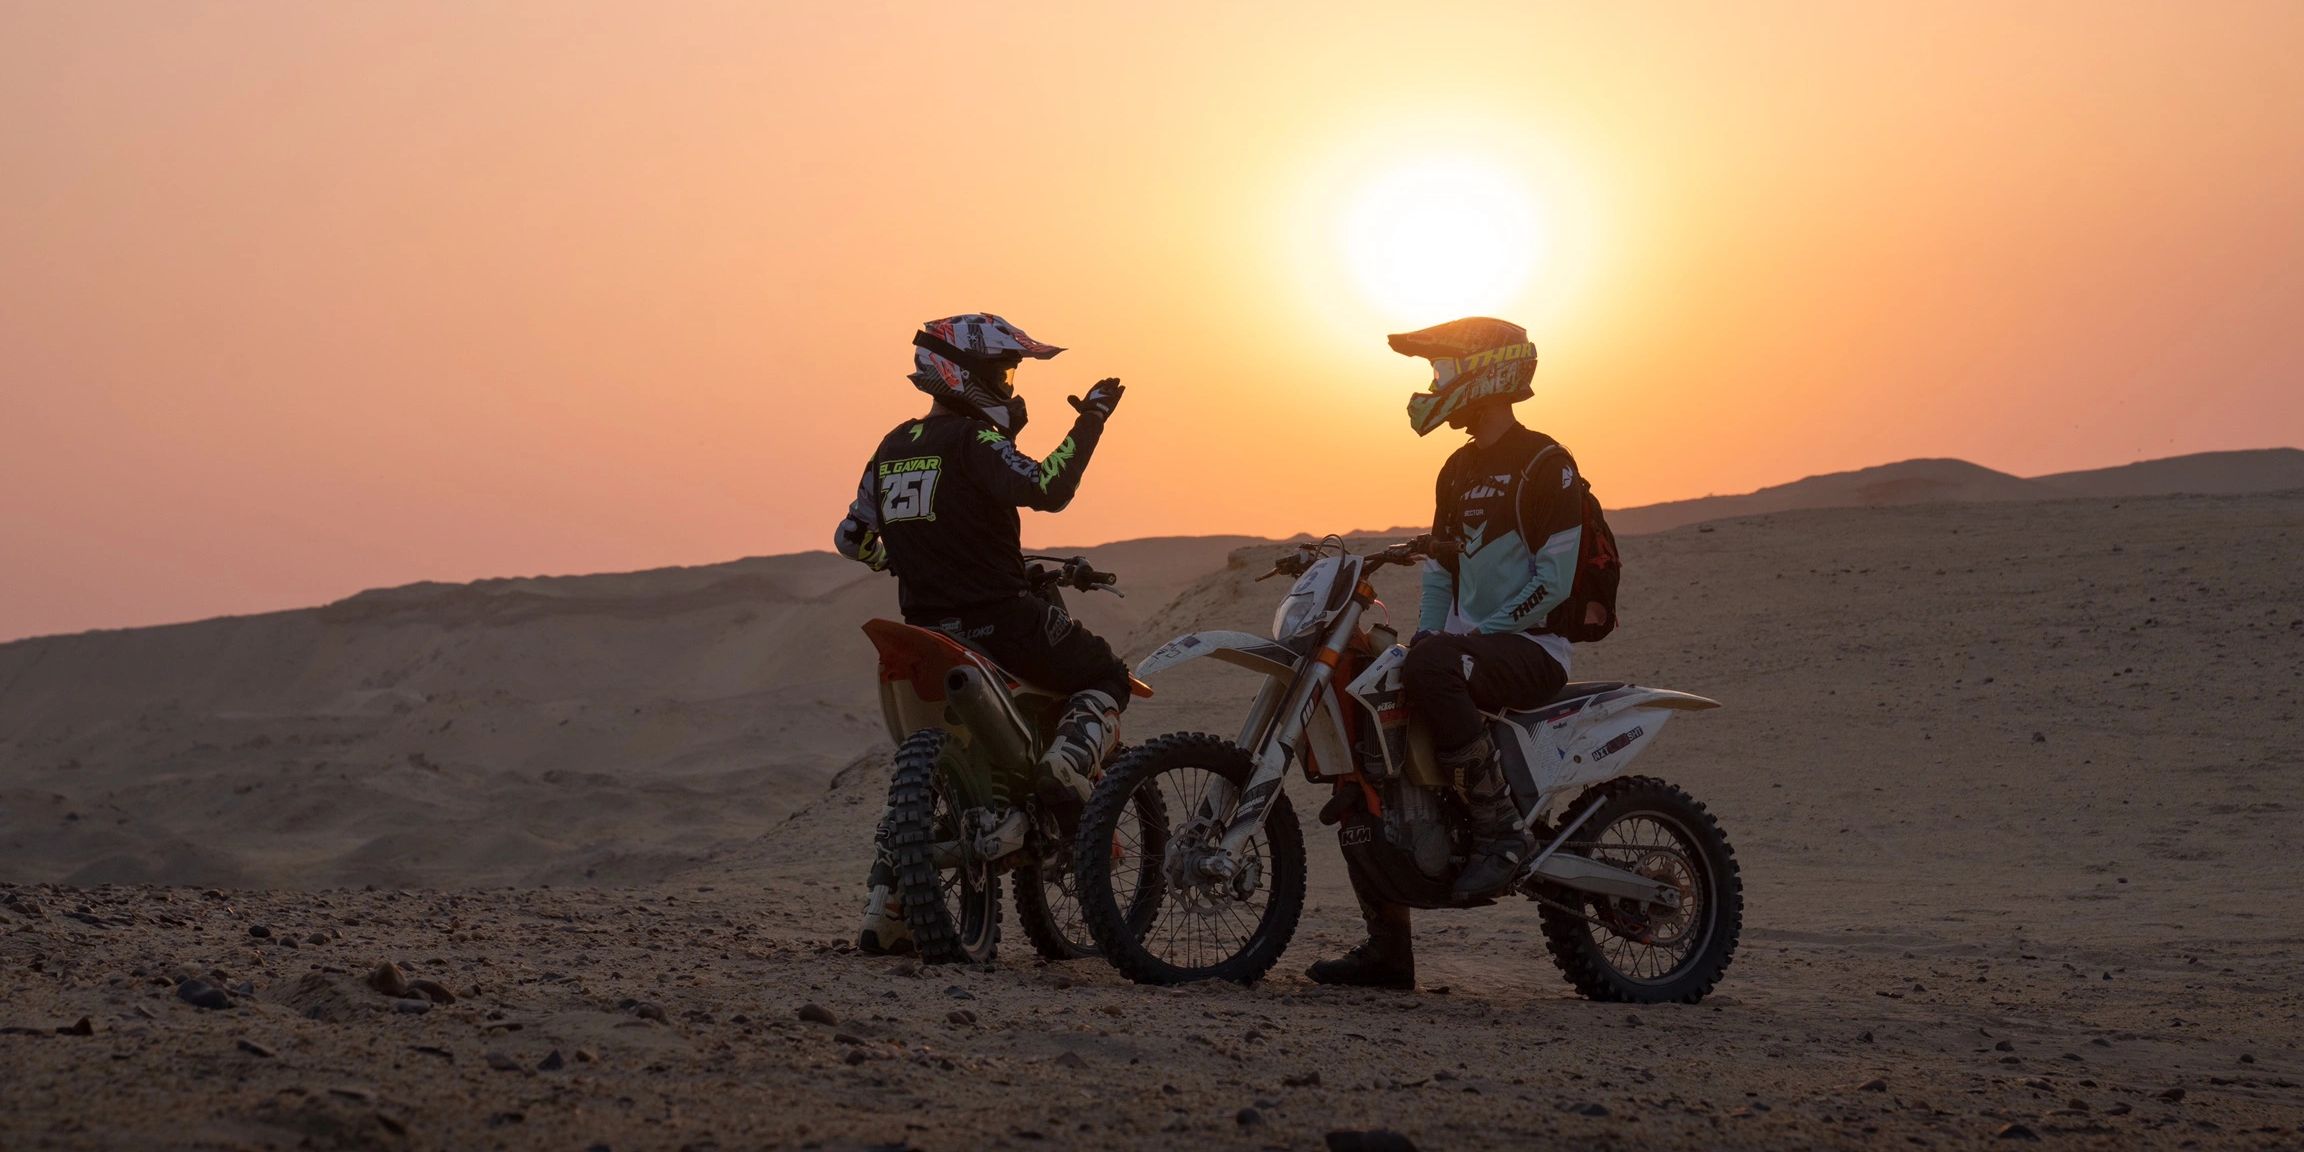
x=1589, y=612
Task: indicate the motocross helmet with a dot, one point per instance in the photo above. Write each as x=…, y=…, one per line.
x=970, y=363
x=1474, y=360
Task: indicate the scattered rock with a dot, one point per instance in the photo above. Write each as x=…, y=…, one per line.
x=1875, y=1084
x=412, y=1007
x=201, y=994
x=2004, y=1046
x=253, y=1048
x=390, y=980
x=817, y=1014
x=2172, y=1095
x=855, y=1056
x=1248, y=1117
x=2016, y=1132
x=81, y=1027
x=433, y=990
x=647, y=1011
x=1306, y=1080
x=503, y=1062
x=259, y=931
x=1369, y=1140
x=552, y=1062
x=587, y=1056
x=1589, y=1108
x=960, y=1016
x=2121, y=1109
x=1071, y=1060
x=958, y=993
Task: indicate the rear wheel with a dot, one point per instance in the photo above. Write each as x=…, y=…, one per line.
x=953, y=911
x=1048, y=893
x=1613, y=951
x=1225, y=929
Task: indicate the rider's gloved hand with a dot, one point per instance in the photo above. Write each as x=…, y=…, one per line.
x=1101, y=399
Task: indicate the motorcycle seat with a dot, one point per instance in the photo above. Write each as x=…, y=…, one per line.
x=1577, y=690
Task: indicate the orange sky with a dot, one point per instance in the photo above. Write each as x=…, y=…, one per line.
x=297, y=299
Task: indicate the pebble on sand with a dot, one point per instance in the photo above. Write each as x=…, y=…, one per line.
x=2016, y=1132
x=1369, y=1140
x=201, y=994
x=1248, y=1117
x=389, y=979
x=253, y=1048
x=433, y=990
x=817, y=1014
x=81, y=1027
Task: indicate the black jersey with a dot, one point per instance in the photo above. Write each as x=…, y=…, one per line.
x=938, y=503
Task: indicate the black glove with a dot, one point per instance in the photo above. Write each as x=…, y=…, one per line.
x=1101, y=399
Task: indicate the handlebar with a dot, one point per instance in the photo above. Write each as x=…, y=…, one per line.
x=1072, y=572
x=1407, y=551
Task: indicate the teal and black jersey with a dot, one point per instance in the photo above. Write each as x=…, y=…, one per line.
x=938, y=505
x=1517, y=509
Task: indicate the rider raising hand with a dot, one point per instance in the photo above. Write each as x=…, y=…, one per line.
x=938, y=505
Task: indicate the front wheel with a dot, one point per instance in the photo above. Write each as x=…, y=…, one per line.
x=1048, y=891
x=954, y=912
x=1613, y=952
x=1225, y=929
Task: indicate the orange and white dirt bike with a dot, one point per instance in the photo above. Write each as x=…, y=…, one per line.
x=962, y=807
x=1637, y=890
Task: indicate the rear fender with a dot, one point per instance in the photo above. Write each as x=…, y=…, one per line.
x=1586, y=741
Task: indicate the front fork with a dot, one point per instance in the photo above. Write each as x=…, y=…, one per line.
x=1273, y=733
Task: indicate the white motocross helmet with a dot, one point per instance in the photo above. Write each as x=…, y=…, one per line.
x=970, y=363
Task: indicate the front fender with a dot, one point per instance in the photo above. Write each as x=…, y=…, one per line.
x=1245, y=649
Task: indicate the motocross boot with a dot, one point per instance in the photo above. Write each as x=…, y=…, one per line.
x=1498, y=842
x=1384, y=960
x=884, y=933
x=1075, y=759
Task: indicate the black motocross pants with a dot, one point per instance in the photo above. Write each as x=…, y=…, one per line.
x=1038, y=642
x=1451, y=679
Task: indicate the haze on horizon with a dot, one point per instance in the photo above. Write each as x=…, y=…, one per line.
x=302, y=299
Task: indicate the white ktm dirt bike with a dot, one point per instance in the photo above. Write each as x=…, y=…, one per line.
x=1637, y=889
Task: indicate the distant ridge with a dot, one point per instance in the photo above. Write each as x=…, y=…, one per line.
x=1945, y=481
x=2203, y=474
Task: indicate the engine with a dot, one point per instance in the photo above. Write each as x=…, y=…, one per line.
x=1416, y=822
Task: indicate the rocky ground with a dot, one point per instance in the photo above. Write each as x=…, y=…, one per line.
x=712, y=1018
x=2013, y=787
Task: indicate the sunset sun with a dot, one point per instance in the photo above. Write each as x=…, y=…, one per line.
x=1441, y=238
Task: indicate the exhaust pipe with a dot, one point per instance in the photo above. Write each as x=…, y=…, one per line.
x=990, y=721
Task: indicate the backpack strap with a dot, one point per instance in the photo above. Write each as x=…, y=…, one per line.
x=1519, y=519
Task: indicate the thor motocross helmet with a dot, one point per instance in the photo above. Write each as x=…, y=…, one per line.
x=1474, y=360
x=969, y=362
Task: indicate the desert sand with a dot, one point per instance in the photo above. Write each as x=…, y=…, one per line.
x=2015, y=786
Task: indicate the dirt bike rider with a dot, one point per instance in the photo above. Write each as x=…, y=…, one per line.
x=1509, y=498
x=938, y=506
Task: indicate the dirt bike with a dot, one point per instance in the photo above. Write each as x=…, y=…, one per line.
x=961, y=805
x=1638, y=891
